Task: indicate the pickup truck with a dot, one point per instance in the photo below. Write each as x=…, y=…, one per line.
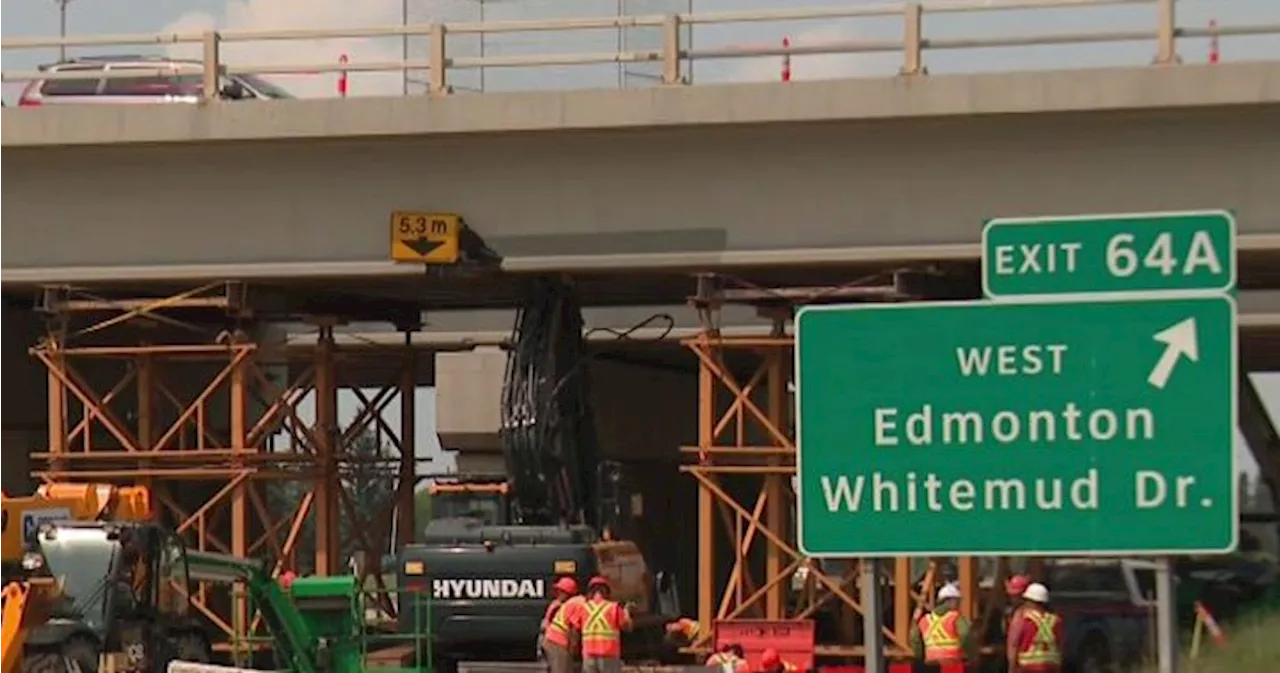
x=1108, y=608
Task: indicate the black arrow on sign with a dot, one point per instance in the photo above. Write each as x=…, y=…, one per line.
x=423, y=246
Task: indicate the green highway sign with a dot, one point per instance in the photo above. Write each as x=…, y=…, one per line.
x=1020, y=427
x=1109, y=253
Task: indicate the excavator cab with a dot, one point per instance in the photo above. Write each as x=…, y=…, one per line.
x=485, y=499
x=124, y=590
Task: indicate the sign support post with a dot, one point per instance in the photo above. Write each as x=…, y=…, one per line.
x=872, y=615
x=1166, y=618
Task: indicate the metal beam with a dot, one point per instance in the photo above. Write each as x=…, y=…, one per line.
x=1260, y=434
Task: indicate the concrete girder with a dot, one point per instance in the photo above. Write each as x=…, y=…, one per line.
x=677, y=197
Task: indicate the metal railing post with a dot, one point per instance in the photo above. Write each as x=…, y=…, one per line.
x=671, y=50
x=209, y=89
x=1166, y=33
x=438, y=80
x=912, y=39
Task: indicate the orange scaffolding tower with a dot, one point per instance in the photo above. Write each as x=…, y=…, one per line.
x=211, y=424
x=744, y=464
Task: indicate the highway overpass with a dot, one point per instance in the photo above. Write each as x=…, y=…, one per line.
x=700, y=177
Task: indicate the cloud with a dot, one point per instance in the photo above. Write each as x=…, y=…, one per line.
x=304, y=14
x=818, y=66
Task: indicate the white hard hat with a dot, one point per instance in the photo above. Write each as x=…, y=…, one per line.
x=948, y=591
x=1036, y=592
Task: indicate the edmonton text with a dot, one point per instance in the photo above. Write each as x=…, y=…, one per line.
x=926, y=426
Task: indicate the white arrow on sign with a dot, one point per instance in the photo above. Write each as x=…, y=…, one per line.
x=1179, y=341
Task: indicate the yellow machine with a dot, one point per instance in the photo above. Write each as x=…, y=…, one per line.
x=68, y=502
x=26, y=606
x=28, y=601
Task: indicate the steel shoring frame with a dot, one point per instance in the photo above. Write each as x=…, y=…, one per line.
x=208, y=416
x=746, y=435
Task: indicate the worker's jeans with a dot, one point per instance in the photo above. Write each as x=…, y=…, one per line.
x=601, y=665
x=559, y=659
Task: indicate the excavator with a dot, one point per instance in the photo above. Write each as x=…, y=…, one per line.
x=88, y=573
x=486, y=562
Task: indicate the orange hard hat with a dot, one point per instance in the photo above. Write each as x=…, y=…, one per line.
x=1016, y=585
x=567, y=584
x=598, y=582
x=770, y=657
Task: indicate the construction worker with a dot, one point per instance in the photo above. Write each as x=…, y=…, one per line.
x=681, y=633
x=601, y=622
x=941, y=638
x=1034, y=644
x=772, y=662
x=553, y=636
x=1014, y=587
x=731, y=659
x=684, y=629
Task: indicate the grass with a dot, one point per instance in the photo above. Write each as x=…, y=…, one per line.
x=1253, y=646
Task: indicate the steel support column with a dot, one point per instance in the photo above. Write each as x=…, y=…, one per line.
x=744, y=463
x=215, y=435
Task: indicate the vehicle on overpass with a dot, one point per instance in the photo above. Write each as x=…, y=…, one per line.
x=141, y=79
x=560, y=511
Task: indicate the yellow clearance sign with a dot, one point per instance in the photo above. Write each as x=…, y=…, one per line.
x=424, y=238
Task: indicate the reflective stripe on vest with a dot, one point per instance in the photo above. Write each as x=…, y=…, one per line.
x=1043, y=648
x=600, y=637
x=728, y=661
x=557, y=632
x=941, y=636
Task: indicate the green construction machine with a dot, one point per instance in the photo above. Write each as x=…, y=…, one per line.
x=317, y=624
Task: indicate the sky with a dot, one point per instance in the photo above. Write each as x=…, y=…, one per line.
x=33, y=18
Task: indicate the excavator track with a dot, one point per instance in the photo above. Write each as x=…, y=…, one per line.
x=49, y=662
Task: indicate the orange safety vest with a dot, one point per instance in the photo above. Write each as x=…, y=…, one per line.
x=601, y=629
x=552, y=608
x=557, y=630
x=941, y=635
x=1040, y=651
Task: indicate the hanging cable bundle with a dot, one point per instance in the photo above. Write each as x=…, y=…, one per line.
x=548, y=437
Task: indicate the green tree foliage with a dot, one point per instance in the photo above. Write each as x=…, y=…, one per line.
x=367, y=481
x=422, y=510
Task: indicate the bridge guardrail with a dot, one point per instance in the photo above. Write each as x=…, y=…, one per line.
x=671, y=56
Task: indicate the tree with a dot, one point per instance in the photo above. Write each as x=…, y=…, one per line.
x=371, y=485
x=369, y=479
x=422, y=509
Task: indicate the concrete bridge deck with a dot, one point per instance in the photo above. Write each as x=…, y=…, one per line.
x=833, y=172
x=854, y=172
